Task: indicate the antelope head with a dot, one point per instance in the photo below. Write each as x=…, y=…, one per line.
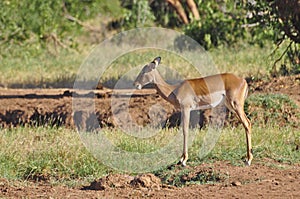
x=147, y=74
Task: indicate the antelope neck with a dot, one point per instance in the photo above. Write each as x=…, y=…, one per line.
x=163, y=88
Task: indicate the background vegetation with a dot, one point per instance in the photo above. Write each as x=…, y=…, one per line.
x=39, y=37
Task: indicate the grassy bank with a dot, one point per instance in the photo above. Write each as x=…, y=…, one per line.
x=58, y=155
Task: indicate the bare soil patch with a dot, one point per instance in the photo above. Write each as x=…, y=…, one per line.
x=257, y=181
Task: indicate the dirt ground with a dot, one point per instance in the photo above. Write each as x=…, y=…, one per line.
x=257, y=181
x=54, y=107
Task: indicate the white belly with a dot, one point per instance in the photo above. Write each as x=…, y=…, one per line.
x=209, y=101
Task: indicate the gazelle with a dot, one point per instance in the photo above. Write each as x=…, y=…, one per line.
x=200, y=93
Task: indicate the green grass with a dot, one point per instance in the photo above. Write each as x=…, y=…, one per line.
x=36, y=66
x=58, y=155
x=187, y=176
x=247, y=60
x=39, y=68
x=267, y=108
x=44, y=153
x=274, y=142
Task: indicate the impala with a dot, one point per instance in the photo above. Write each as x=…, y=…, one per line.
x=200, y=93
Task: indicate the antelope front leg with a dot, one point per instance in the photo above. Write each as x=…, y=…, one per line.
x=185, y=119
x=249, y=149
x=249, y=144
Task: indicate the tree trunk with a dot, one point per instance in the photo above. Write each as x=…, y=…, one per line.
x=193, y=8
x=179, y=9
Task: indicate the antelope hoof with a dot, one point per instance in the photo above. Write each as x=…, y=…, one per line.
x=182, y=162
x=247, y=162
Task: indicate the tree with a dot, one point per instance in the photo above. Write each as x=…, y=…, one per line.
x=283, y=16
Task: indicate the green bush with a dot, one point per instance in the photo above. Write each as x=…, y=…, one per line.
x=272, y=109
x=21, y=20
x=220, y=23
x=282, y=18
x=225, y=23
x=137, y=14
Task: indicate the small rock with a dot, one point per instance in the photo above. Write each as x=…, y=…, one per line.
x=146, y=181
x=97, y=185
x=236, y=183
x=110, y=181
x=275, y=182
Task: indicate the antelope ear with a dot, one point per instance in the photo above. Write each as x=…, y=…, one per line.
x=157, y=61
